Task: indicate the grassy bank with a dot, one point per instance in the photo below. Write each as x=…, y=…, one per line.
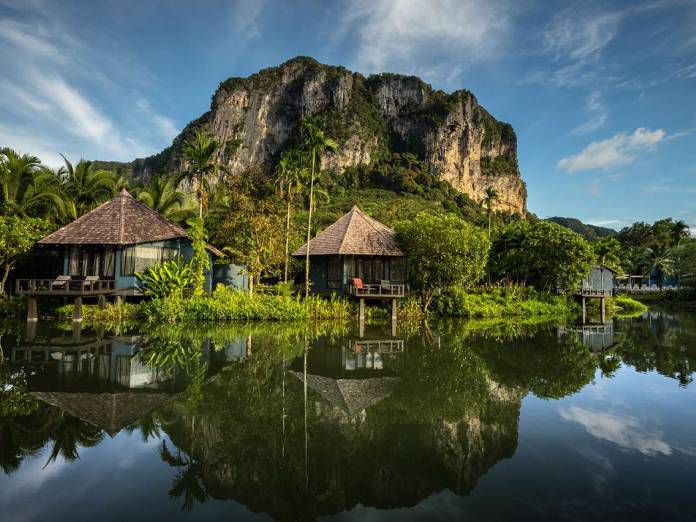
x=502, y=302
x=623, y=305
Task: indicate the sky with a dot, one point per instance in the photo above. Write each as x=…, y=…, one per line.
x=602, y=94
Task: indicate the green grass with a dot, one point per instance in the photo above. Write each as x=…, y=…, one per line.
x=623, y=305
x=501, y=302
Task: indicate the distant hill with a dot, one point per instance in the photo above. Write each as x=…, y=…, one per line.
x=589, y=232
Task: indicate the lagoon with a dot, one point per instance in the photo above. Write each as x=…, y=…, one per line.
x=460, y=419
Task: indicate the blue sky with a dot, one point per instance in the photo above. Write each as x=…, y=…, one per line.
x=602, y=95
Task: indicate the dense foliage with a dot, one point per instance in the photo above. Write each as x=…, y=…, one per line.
x=173, y=278
x=17, y=238
x=443, y=252
x=541, y=254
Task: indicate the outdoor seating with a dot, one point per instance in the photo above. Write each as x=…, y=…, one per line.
x=357, y=282
x=89, y=282
x=385, y=285
x=62, y=281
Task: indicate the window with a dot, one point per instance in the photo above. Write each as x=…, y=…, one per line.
x=334, y=272
x=138, y=258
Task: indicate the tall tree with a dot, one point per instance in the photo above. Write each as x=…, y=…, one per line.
x=86, y=186
x=291, y=176
x=27, y=188
x=17, y=237
x=491, y=196
x=162, y=196
x=199, y=153
x=316, y=142
x=608, y=252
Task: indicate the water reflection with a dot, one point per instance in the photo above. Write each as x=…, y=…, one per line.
x=299, y=421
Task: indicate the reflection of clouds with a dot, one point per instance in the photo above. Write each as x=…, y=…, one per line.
x=624, y=430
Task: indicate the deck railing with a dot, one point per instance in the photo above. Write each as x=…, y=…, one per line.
x=63, y=286
x=593, y=292
x=378, y=291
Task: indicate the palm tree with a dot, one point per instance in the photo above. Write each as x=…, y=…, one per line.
x=86, y=186
x=636, y=261
x=27, y=187
x=316, y=141
x=162, y=196
x=661, y=263
x=199, y=153
x=490, y=197
x=680, y=230
x=291, y=176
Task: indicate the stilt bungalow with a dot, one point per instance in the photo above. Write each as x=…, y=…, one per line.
x=599, y=284
x=103, y=250
x=356, y=249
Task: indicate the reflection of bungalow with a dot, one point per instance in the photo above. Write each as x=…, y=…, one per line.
x=113, y=242
x=595, y=337
x=355, y=246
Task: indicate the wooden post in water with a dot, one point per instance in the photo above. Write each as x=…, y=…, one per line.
x=393, y=317
x=32, y=309
x=361, y=316
x=604, y=308
x=584, y=311
x=77, y=311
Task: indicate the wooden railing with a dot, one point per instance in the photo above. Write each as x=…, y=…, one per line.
x=593, y=292
x=386, y=291
x=387, y=346
x=63, y=286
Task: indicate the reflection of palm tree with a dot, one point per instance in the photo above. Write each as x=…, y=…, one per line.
x=69, y=434
x=147, y=425
x=188, y=482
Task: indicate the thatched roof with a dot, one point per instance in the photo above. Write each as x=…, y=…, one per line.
x=356, y=233
x=110, y=412
x=351, y=395
x=120, y=221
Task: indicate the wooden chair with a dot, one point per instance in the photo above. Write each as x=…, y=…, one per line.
x=385, y=286
x=61, y=282
x=89, y=282
x=357, y=282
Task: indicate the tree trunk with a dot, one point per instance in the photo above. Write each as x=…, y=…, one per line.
x=309, y=225
x=287, y=243
x=5, y=275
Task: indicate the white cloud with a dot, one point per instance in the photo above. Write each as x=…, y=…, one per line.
x=579, y=36
x=403, y=35
x=597, y=107
x=58, y=95
x=628, y=432
x=620, y=149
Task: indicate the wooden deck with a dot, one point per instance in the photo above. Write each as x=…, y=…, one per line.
x=72, y=288
x=593, y=292
x=378, y=291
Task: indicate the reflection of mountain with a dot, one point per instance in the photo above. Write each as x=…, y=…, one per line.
x=378, y=437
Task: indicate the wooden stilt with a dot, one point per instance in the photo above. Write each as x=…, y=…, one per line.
x=604, y=309
x=584, y=311
x=32, y=309
x=118, y=300
x=102, y=302
x=361, y=310
x=77, y=311
x=31, y=331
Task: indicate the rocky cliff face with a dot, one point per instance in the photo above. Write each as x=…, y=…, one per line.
x=256, y=118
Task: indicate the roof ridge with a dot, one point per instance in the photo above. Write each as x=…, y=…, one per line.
x=369, y=220
x=350, y=222
x=122, y=224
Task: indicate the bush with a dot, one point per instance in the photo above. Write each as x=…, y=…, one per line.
x=501, y=302
x=173, y=278
x=12, y=306
x=624, y=305
x=112, y=312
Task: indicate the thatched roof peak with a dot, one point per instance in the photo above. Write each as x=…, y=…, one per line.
x=355, y=233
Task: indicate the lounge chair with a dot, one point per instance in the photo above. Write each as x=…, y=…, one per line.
x=88, y=283
x=60, y=283
x=385, y=286
x=357, y=283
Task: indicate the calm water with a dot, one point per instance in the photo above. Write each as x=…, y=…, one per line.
x=462, y=420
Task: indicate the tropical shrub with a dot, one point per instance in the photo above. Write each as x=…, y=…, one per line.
x=624, y=305
x=443, y=252
x=17, y=237
x=501, y=302
x=542, y=254
x=173, y=278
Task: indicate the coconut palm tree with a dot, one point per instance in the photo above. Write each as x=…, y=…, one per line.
x=680, y=230
x=491, y=196
x=162, y=196
x=199, y=153
x=291, y=176
x=661, y=263
x=316, y=142
x=86, y=186
x=27, y=187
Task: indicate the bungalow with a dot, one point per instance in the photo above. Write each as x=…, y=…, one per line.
x=600, y=281
x=103, y=250
x=355, y=247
